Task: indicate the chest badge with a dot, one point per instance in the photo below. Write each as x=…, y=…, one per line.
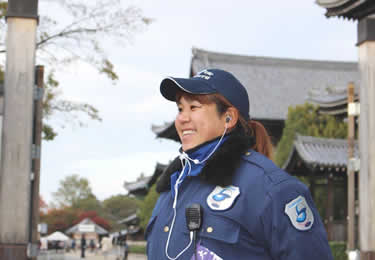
x=300, y=213
x=222, y=198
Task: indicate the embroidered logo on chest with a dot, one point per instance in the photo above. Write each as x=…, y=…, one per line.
x=222, y=198
x=300, y=213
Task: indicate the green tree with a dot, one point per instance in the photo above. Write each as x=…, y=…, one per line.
x=73, y=190
x=147, y=206
x=77, y=33
x=121, y=206
x=89, y=203
x=305, y=120
x=118, y=207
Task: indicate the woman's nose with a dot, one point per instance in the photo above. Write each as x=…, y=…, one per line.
x=183, y=117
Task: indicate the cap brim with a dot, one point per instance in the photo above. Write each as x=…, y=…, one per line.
x=169, y=87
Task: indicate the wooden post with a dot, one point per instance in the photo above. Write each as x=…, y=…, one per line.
x=366, y=47
x=351, y=195
x=37, y=141
x=329, y=210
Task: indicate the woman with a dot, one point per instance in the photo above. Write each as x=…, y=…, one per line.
x=251, y=208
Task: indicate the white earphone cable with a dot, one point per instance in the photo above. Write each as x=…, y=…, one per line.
x=184, y=156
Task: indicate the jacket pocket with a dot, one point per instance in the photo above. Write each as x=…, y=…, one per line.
x=219, y=229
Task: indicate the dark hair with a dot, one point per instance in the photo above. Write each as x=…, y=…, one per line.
x=251, y=128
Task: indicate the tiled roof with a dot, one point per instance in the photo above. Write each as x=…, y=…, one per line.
x=144, y=183
x=139, y=184
x=274, y=84
x=332, y=101
x=321, y=152
x=351, y=9
x=331, y=97
x=98, y=229
x=167, y=131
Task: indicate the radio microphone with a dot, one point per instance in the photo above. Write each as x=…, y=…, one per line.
x=193, y=215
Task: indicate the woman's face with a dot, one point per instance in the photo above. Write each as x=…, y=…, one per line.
x=197, y=123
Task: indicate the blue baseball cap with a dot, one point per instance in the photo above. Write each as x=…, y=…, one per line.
x=209, y=81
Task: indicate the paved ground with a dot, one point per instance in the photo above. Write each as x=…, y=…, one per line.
x=89, y=256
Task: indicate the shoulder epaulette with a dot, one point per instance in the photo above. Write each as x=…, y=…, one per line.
x=273, y=172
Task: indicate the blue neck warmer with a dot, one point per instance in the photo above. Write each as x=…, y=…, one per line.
x=200, y=152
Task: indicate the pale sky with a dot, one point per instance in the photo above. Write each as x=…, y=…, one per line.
x=123, y=146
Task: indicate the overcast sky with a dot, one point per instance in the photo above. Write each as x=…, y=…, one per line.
x=123, y=146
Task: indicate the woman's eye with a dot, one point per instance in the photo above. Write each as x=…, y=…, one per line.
x=193, y=107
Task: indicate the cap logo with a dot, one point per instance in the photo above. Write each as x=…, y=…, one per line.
x=204, y=74
x=299, y=213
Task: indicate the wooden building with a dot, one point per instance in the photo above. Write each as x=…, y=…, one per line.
x=273, y=84
x=139, y=188
x=323, y=164
x=88, y=227
x=333, y=101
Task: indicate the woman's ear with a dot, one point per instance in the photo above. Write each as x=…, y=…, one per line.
x=231, y=117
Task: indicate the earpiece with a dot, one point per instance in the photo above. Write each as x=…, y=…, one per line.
x=228, y=118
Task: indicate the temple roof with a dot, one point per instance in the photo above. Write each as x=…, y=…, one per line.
x=274, y=84
x=332, y=101
x=319, y=153
x=167, y=130
x=351, y=9
x=141, y=186
x=87, y=221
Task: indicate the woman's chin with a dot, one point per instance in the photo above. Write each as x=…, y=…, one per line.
x=188, y=145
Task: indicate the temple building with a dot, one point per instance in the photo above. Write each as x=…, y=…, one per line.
x=323, y=164
x=273, y=84
x=333, y=101
x=139, y=188
x=350, y=9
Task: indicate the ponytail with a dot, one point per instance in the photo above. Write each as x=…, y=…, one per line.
x=263, y=142
x=256, y=130
x=251, y=128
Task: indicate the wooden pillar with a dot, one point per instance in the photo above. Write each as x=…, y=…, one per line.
x=350, y=245
x=366, y=47
x=329, y=212
x=37, y=142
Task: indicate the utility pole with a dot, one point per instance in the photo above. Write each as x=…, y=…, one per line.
x=15, y=170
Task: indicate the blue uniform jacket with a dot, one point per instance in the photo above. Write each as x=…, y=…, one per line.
x=256, y=225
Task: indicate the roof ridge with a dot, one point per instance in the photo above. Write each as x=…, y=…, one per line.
x=268, y=60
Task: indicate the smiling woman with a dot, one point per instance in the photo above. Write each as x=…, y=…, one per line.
x=197, y=121
x=252, y=209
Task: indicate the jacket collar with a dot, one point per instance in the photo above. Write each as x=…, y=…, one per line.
x=220, y=168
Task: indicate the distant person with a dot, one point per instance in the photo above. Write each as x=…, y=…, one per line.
x=126, y=247
x=73, y=245
x=92, y=245
x=83, y=245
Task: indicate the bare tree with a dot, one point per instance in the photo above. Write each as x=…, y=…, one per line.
x=75, y=30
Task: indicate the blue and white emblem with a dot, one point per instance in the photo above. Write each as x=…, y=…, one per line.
x=222, y=198
x=300, y=213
